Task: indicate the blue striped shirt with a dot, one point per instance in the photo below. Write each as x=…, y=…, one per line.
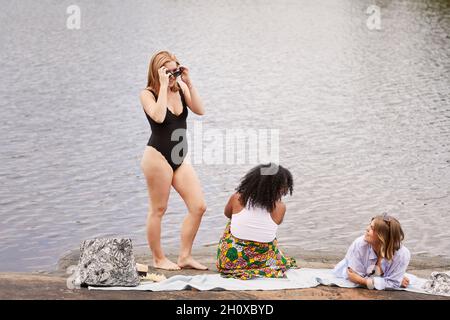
x=361, y=258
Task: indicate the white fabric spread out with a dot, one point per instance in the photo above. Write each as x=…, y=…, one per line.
x=296, y=279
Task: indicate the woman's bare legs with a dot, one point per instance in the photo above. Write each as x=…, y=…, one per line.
x=158, y=175
x=187, y=184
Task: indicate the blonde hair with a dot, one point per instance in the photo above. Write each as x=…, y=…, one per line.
x=157, y=61
x=389, y=233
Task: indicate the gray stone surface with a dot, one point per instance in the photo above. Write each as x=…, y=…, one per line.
x=52, y=285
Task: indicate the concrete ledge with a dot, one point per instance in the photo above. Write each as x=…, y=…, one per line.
x=52, y=285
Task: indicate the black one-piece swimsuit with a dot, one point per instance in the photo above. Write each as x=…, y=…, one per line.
x=173, y=148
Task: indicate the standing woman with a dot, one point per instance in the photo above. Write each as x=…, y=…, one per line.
x=166, y=102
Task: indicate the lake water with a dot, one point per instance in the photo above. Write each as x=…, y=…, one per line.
x=363, y=117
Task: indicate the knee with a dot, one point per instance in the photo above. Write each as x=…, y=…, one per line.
x=199, y=209
x=158, y=211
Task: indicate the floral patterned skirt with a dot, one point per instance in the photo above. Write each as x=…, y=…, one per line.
x=245, y=259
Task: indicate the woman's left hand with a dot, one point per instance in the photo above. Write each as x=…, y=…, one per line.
x=355, y=278
x=405, y=282
x=352, y=276
x=185, y=75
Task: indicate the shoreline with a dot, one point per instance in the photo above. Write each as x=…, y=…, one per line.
x=52, y=284
x=305, y=258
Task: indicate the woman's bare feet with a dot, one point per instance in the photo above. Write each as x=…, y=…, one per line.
x=190, y=263
x=165, y=264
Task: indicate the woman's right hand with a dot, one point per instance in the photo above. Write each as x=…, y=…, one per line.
x=163, y=76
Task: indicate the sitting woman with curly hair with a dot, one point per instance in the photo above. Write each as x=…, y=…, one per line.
x=248, y=247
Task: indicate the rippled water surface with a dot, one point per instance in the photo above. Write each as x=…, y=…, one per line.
x=363, y=117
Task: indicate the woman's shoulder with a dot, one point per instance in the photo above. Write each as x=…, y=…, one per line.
x=358, y=246
x=360, y=242
x=146, y=98
x=236, y=198
x=403, y=252
x=235, y=201
x=147, y=91
x=280, y=206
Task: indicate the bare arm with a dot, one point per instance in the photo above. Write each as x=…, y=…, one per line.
x=278, y=213
x=356, y=278
x=191, y=95
x=228, y=211
x=156, y=109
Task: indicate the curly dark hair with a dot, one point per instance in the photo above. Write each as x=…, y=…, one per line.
x=259, y=190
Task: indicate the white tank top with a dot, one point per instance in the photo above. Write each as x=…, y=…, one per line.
x=254, y=224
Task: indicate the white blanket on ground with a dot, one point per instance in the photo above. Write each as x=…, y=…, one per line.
x=296, y=279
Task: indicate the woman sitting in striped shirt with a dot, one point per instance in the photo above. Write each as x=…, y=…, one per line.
x=377, y=259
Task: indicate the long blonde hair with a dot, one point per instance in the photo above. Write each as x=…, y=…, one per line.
x=389, y=233
x=157, y=61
